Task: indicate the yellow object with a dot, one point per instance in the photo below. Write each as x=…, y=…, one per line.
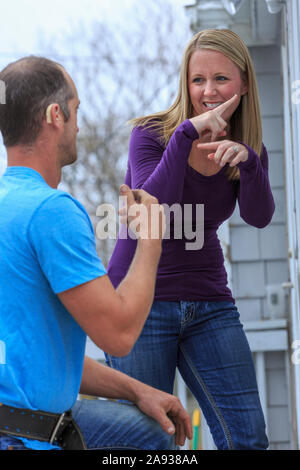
x=196, y=428
x=196, y=418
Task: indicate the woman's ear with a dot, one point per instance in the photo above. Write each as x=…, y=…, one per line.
x=244, y=86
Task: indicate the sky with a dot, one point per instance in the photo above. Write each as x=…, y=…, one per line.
x=27, y=24
x=24, y=21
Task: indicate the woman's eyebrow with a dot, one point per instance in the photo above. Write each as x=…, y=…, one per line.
x=216, y=73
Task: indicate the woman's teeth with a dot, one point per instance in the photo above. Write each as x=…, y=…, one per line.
x=212, y=105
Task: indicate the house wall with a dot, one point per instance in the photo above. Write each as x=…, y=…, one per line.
x=259, y=256
x=291, y=75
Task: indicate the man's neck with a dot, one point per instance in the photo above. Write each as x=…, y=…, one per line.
x=42, y=163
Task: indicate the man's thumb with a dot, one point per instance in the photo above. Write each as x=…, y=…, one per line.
x=127, y=193
x=124, y=188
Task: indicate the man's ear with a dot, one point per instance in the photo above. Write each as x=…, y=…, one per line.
x=51, y=111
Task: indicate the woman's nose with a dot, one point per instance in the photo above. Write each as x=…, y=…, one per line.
x=209, y=88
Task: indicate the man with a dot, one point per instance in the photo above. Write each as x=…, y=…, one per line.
x=54, y=289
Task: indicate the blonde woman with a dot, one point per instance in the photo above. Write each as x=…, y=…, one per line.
x=205, y=149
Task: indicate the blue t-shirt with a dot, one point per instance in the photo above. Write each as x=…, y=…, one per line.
x=47, y=246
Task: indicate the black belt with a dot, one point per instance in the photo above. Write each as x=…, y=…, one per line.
x=55, y=428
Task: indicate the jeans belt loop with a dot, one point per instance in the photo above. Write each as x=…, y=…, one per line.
x=57, y=426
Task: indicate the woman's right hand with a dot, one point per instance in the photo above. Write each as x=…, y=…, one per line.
x=213, y=122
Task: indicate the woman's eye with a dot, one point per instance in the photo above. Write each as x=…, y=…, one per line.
x=221, y=78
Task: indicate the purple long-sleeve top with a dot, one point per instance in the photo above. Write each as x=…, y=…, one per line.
x=189, y=274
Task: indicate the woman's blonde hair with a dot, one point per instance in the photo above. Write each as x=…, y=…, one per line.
x=245, y=124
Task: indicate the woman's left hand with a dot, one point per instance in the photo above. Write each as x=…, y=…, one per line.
x=225, y=151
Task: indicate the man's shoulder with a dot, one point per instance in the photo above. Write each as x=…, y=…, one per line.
x=59, y=208
x=57, y=199
x=27, y=198
x=60, y=216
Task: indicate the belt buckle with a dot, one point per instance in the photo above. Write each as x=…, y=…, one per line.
x=57, y=426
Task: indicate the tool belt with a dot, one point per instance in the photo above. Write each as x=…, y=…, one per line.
x=59, y=429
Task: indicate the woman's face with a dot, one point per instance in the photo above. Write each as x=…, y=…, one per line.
x=213, y=79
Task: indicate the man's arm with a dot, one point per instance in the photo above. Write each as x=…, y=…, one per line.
x=102, y=381
x=113, y=318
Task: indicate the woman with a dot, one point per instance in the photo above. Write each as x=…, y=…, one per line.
x=205, y=149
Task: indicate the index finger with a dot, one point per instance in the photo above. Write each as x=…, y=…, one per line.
x=139, y=195
x=210, y=145
x=143, y=197
x=224, y=106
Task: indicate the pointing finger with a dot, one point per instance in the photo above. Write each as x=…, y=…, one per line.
x=225, y=106
x=209, y=145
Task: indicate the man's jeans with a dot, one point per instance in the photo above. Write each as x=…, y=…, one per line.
x=108, y=424
x=207, y=343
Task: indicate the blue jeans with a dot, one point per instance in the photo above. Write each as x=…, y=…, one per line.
x=207, y=343
x=107, y=424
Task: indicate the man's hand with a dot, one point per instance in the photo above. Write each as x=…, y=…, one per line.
x=142, y=213
x=167, y=410
x=102, y=381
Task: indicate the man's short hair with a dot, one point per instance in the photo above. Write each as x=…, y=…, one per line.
x=31, y=84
